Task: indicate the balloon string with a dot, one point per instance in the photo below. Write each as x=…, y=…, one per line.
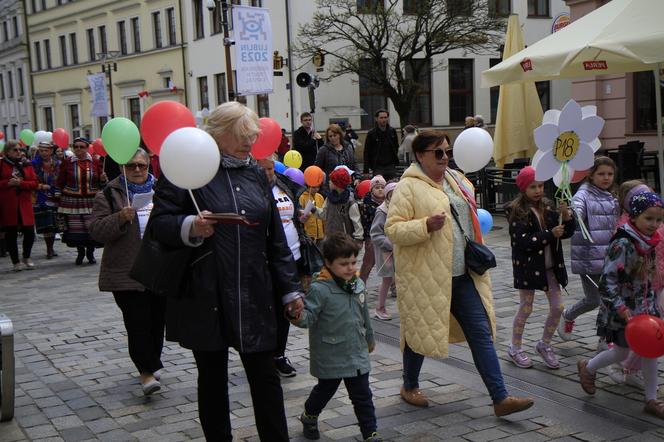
x=124, y=171
x=191, y=194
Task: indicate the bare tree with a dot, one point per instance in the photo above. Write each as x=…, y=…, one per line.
x=386, y=45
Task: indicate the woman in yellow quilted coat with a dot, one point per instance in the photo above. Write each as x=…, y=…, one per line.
x=439, y=299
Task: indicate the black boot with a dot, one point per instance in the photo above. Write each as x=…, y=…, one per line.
x=81, y=255
x=309, y=426
x=50, y=252
x=3, y=246
x=90, y=254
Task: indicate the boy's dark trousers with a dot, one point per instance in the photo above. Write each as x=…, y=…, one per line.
x=359, y=392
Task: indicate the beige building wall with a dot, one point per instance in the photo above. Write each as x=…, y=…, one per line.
x=150, y=58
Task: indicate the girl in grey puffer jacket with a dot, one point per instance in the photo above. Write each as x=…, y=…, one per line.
x=599, y=209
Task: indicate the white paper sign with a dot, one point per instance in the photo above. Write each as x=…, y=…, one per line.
x=253, y=49
x=141, y=200
x=97, y=84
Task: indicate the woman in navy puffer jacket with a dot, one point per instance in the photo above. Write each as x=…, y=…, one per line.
x=598, y=207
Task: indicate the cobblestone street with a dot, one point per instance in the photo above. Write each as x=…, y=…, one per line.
x=75, y=381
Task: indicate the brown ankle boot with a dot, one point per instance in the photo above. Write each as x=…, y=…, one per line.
x=512, y=404
x=587, y=379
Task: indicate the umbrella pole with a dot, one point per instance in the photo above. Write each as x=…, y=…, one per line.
x=658, y=122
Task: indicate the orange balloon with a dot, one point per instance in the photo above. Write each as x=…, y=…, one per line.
x=314, y=176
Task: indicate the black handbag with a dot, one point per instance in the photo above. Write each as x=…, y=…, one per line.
x=478, y=257
x=312, y=258
x=159, y=267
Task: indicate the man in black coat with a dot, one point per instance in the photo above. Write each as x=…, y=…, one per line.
x=381, y=148
x=307, y=141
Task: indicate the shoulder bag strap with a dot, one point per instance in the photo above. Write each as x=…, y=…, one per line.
x=455, y=215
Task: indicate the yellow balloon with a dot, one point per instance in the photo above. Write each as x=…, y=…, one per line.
x=293, y=159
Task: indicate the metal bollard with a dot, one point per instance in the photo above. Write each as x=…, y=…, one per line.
x=6, y=368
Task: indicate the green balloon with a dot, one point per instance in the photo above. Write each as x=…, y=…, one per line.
x=121, y=139
x=2, y=145
x=27, y=136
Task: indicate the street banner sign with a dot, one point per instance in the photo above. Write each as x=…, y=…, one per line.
x=253, y=50
x=97, y=84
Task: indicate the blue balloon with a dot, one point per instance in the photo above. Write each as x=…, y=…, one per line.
x=279, y=167
x=486, y=221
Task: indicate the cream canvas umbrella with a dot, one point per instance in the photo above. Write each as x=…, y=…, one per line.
x=519, y=109
x=621, y=36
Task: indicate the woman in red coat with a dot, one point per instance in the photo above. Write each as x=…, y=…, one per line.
x=17, y=182
x=79, y=179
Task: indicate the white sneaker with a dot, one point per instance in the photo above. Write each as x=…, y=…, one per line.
x=383, y=316
x=617, y=374
x=565, y=328
x=29, y=265
x=635, y=379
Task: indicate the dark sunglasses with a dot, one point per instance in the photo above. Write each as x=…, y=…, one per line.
x=439, y=153
x=139, y=166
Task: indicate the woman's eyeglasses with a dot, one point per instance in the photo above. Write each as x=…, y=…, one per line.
x=139, y=166
x=439, y=153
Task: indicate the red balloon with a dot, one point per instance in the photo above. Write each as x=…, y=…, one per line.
x=60, y=137
x=363, y=188
x=2, y=135
x=645, y=336
x=579, y=175
x=98, y=147
x=268, y=139
x=161, y=119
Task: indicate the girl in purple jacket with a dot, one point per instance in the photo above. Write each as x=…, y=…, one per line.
x=596, y=204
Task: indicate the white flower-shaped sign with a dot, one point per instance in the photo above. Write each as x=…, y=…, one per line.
x=566, y=142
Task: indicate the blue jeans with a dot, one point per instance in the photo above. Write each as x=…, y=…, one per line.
x=469, y=312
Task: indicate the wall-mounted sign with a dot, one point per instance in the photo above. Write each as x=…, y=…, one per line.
x=560, y=22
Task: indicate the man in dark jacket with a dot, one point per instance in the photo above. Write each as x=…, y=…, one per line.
x=307, y=141
x=381, y=148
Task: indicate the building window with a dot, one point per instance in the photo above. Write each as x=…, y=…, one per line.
x=216, y=18
x=544, y=92
x=369, y=6
x=456, y=8
x=91, y=45
x=538, y=8
x=461, y=89
x=239, y=98
x=38, y=59
x=257, y=3
x=135, y=111
x=263, y=104
x=420, y=113
x=122, y=37
x=199, y=31
x=15, y=132
x=203, y=97
x=494, y=92
x=500, y=8
x=15, y=25
x=10, y=83
x=33, y=4
x=220, y=83
x=19, y=82
x=2, y=87
x=47, y=51
x=43, y=5
x=74, y=48
x=63, y=50
x=74, y=120
x=48, y=118
x=172, y=32
x=156, y=28
x=102, y=122
x=136, y=34
x=372, y=97
x=103, y=44
x=412, y=6
x=5, y=31
x=644, y=102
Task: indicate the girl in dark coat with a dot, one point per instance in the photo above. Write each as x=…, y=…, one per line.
x=536, y=229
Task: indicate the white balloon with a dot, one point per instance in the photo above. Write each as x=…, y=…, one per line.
x=50, y=137
x=189, y=158
x=473, y=149
x=41, y=136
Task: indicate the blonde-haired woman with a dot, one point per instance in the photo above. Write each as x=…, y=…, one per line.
x=239, y=277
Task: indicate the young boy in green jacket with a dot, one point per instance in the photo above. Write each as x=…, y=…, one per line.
x=340, y=336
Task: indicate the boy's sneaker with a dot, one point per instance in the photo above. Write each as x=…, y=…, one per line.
x=374, y=438
x=519, y=357
x=309, y=426
x=565, y=328
x=284, y=367
x=635, y=379
x=548, y=356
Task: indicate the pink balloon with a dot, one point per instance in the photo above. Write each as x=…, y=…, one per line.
x=60, y=137
x=268, y=139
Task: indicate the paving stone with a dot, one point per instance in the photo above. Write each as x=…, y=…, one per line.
x=79, y=433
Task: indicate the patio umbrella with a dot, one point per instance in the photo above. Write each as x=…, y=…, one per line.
x=519, y=108
x=621, y=36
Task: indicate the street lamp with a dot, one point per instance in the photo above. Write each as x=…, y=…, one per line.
x=228, y=42
x=108, y=65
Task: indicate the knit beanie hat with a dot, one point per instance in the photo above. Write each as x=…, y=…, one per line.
x=525, y=177
x=644, y=201
x=340, y=178
x=390, y=187
x=378, y=179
